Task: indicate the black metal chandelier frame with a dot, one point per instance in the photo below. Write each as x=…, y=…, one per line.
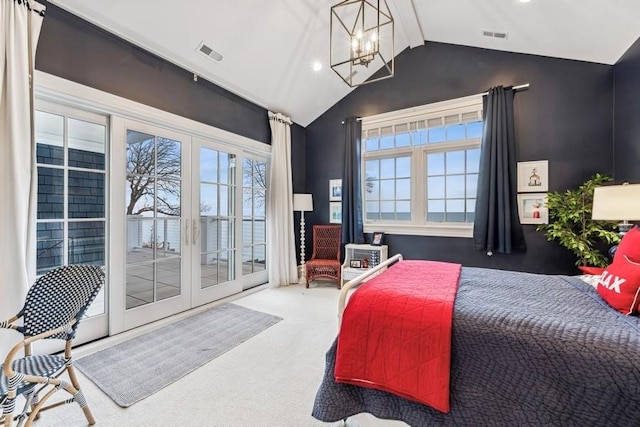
x=361, y=55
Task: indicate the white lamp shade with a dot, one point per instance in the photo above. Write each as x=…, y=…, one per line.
x=302, y=202
x=616, y=203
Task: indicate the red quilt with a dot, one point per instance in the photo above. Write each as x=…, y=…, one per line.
x=395, y=334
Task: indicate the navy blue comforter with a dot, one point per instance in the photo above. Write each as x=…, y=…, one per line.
x=527, y=350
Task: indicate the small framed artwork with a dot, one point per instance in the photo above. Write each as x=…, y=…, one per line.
x=377, y=238
x=335, y=189
x=355, y=263
x=335, y=212
x=533, y=176
x=532, y=208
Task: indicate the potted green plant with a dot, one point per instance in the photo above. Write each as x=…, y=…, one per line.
x=571, y=225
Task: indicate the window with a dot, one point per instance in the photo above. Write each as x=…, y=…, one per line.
x=420, y=168
x=70, y=150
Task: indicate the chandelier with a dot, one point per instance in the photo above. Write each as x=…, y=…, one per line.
x=361, y=34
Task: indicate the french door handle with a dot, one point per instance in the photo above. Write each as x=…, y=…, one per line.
x=186, y=232
x=196, y=231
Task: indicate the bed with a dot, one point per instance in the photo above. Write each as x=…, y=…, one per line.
x=526, y=349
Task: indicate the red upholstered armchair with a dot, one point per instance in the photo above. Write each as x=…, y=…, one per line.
x=325, y=261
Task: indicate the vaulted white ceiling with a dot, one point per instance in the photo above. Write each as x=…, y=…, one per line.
x=269, y=47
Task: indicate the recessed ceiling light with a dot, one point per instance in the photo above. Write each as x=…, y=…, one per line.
x=317, y=66
x=525, y=1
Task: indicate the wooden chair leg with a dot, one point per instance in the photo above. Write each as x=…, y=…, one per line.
x=87, y=413
x=73, y=377
x=74, y=380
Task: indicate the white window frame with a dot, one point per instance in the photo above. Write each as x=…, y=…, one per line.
x=418, y=225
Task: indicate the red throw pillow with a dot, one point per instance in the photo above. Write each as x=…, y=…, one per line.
x=629, y=246
x=587, y=269
x=619, y=286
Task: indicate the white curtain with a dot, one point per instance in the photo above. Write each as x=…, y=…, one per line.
x=20, y=24
x=282, y=249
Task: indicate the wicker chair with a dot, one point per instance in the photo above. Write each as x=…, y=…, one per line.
x=325, y=261
x=53, y=308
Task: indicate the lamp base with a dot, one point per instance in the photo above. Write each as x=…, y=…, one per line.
x=302, y=274
x=624, y=227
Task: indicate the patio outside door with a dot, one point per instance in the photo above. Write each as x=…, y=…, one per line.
x=180, y=242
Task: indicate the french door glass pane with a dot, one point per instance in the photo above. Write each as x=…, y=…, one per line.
x=50, y=193
x=50, y=246
x=87, y=242
x=153, y=208
x=168, y=278
x=140, y=280
x=86, y=194
x=259, y=257
x=217, y=217
x=49, y=138
x=87, y=143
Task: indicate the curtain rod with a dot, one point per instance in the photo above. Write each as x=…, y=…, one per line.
x=515, y=88
x=359, y=119
x=524, y=86
x=280, y=118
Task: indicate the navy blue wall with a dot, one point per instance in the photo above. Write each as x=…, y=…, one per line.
x=627, y=116
x=565, y=117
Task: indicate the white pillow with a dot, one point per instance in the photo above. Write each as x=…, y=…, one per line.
x=590, y=279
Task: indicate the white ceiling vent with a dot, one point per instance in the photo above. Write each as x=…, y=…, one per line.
x=209, y=52
x=495, y=34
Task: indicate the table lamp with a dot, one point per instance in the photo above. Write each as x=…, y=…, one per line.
x=617, y=203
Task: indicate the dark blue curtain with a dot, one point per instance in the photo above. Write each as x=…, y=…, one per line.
x=497, y=226
x=351, y=184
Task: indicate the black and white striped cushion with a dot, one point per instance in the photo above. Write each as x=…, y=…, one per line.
x=40, y=365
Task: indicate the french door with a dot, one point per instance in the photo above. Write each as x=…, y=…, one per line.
x=179, y=241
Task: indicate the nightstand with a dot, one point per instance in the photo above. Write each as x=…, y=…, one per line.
x=358, y=253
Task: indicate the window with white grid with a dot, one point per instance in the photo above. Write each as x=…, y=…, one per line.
x=420, y=168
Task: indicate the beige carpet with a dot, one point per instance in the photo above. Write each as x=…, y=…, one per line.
x=267, y=381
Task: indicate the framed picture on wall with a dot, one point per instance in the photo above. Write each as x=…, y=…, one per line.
x=532, y=208
x=335, y=212
x=533, y=176
x=335, y=189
